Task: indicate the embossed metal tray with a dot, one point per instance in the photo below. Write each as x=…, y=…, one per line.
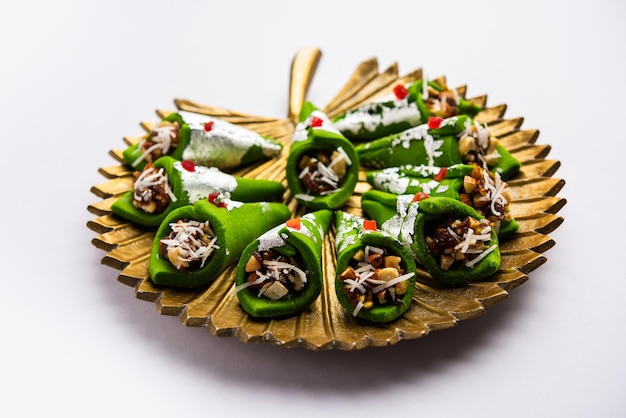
x=535, y=205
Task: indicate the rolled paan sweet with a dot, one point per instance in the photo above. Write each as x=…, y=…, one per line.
x=322, y=166
x=475, y=186
x=205, y=140
x=280, y=273
x=408, y=105
x=443, y=143
x=411, y=179
x=168, y=184
x=375, y=277
x=453, y=242
x=195, y=243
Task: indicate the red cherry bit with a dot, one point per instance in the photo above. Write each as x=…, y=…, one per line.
x=293, y=223
x=441, y=174
x=189, y=165
x=316, y=122
x=400, y=91
x=369, y=225
x=434, y=122
x=215, y=198
x=419, y=196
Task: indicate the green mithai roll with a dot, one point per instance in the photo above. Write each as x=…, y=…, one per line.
x=169, y=184
x=481, y=189
x=408, y=106
x=280, y=273
x=194, y=244
x=442, y=143
x=375, y=273
x=205, y=140
x=411, y=179
x=322, y=167
x=452, y=241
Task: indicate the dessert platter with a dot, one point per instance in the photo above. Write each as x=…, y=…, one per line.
x=399, y=208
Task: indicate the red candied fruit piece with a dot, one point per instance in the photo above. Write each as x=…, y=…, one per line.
x=369, y=225
x=419, y=196
x=316, y=122
x=400, y=91
x=434, y=122
x=441, y=174
x=208, y=126
x=215, y=198
x=293, y=223
x=189, y=165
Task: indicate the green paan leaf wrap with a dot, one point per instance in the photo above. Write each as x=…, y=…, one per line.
x=352, y=238
x=420, y=145
x=410, y=224
x=299, y=242
x=446, y=182
x=188, y=185
x=314, y=133
x=207, y=141
x=234, y=226
x=400, y=111
x=411, y=179
x=423, y=145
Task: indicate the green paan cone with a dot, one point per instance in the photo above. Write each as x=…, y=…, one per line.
x=442, y=143
x=375, y=273
x=187, y=183
x=280, y=273
x=322, y=166
x=479, y=188
x=409, y=106
x=452, y=241
x=203, y=139
x=223, y=227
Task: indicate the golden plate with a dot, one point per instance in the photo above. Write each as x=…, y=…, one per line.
x=326, y=326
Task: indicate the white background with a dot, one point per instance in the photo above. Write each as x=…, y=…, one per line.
x=75, y=77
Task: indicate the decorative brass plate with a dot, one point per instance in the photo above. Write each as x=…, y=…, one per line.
x=535, y=205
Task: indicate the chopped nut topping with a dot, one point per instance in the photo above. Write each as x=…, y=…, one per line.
x=253, y=264
x=152, y=192
x=323, y=171
x=162, y=140
x=487, y=193
x=189, y=245
x=274, y=275
x=374, y=278
x=442, y=103
x=477, y=146
x=456, y=240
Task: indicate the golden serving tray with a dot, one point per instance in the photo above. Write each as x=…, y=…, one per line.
x=326, y=325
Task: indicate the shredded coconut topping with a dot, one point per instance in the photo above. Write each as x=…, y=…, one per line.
x=161, y=139
x=272, y=276
x=148, y=178
x=323, y=173
x=190, y=241
x=373, y=277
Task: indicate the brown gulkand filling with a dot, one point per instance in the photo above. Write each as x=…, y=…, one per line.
x=443, y=103
x=189, y=245
x=274, y=275
x=458, y=241
x=322, y=171
x=373, y=278
x=152, y=191
x=488, y=194
x=162, y=140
